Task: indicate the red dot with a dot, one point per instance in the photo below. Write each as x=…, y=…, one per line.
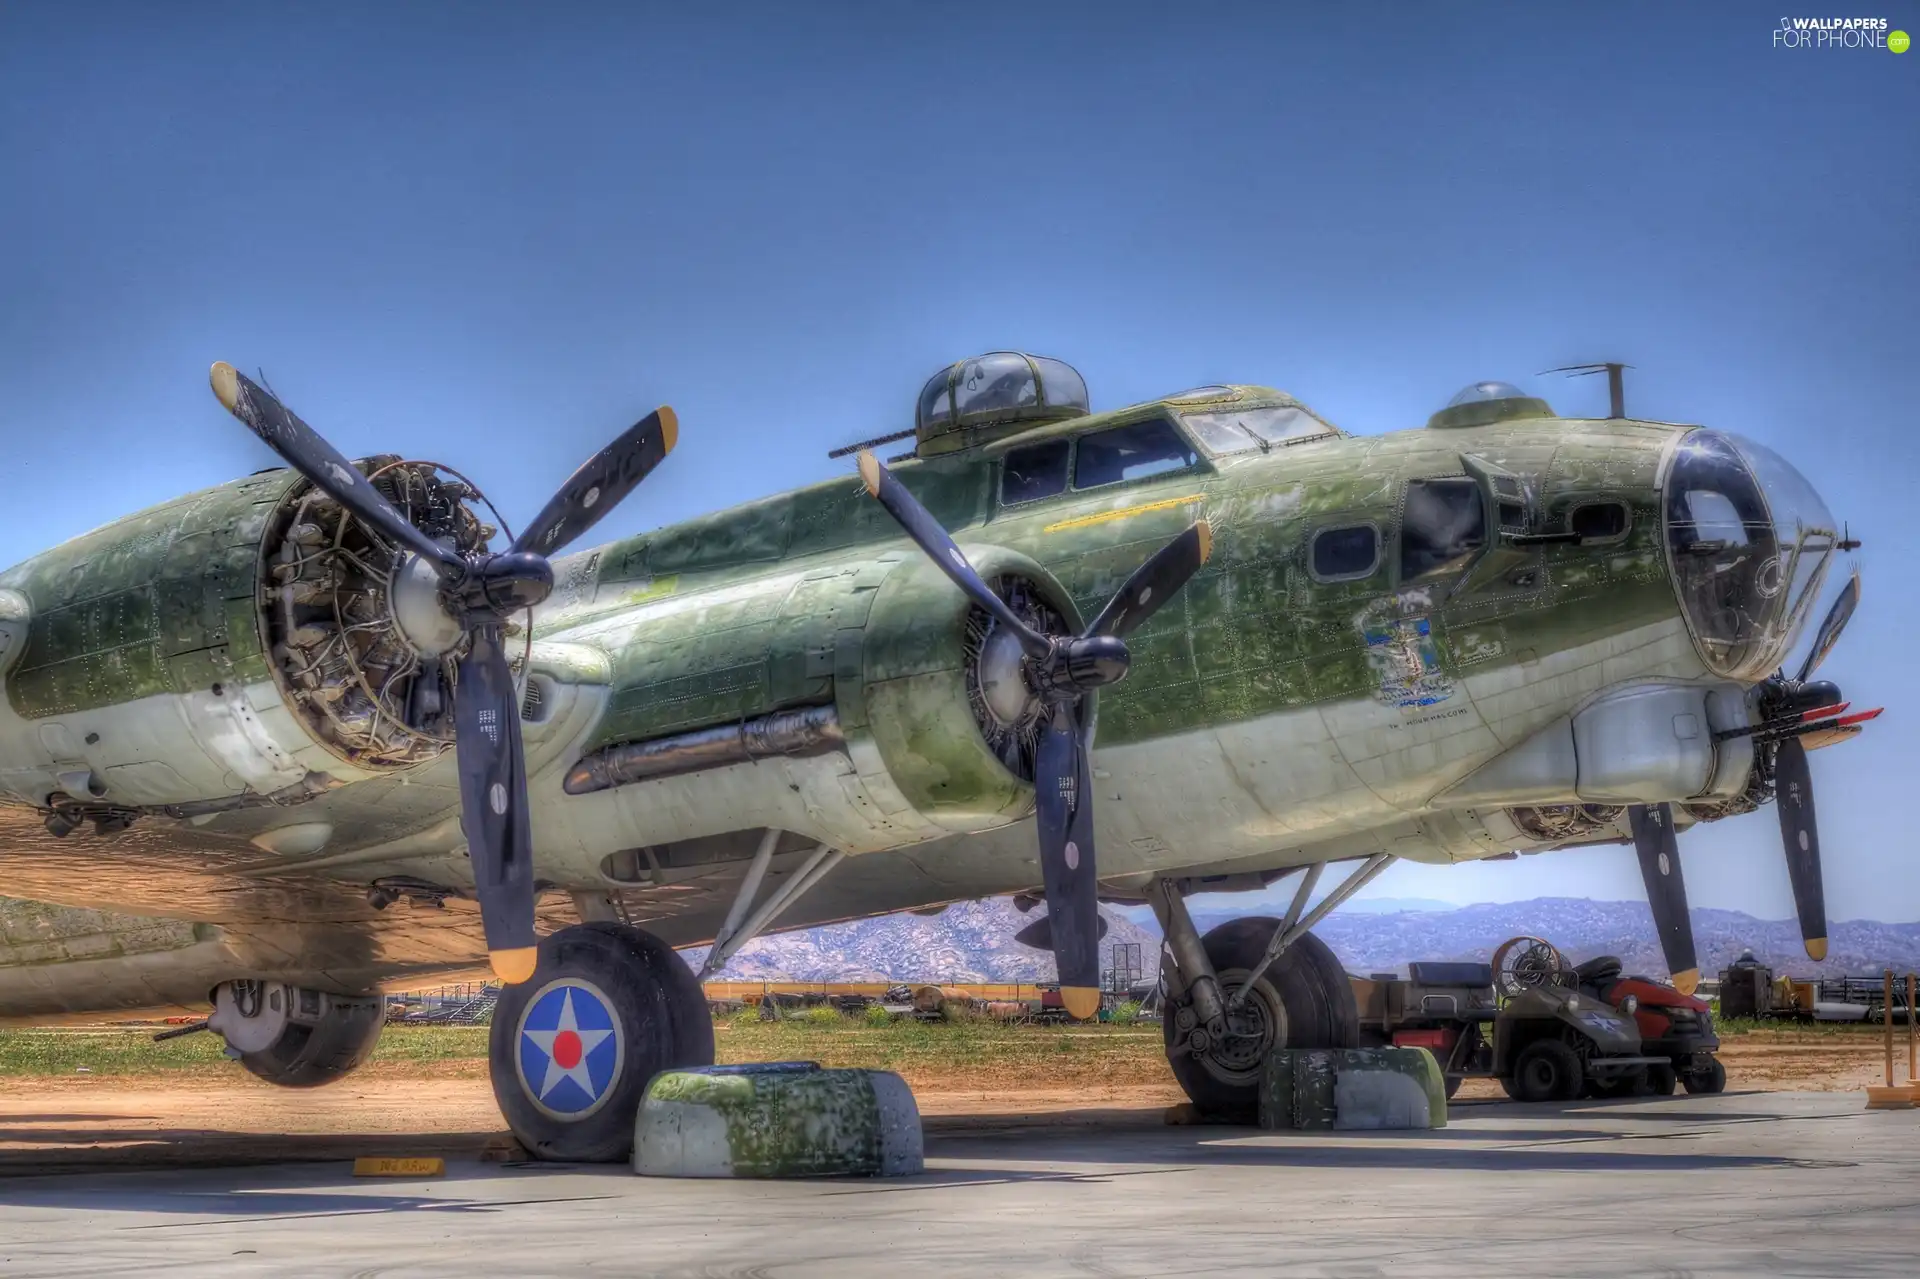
x=566, y=1050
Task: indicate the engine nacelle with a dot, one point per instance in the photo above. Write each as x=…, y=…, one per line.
x=938, y=696
x=246, y=644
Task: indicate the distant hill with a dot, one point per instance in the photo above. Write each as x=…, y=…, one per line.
x=969, y=941
x=973, y=941
x=1393, y=905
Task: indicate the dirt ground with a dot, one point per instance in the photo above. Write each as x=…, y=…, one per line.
x=53, y=1123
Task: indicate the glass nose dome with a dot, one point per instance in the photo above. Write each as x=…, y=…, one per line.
x=1750, y=541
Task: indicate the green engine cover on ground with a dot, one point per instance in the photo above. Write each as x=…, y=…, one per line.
x=777, y=1119
x=1321, y=1088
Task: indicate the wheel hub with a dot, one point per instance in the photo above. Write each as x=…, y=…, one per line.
x=1236, y=1050
x=569, y=1049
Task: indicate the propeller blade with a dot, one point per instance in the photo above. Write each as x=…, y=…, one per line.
x=306, y=452
x=1064, y=814
x=1039, y=934
x=1659, y=850
x=1155, y=582
x=1800, y=836
x=1830, y=627
x=933, y=539
x=493, y=804
x=602, y=483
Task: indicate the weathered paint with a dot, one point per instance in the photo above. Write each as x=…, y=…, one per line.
x=1352, y=1088
x=1270, y=717
x=786, y=1119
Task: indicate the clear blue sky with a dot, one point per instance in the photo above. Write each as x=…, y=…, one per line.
x=496, y=235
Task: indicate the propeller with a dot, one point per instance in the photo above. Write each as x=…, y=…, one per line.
x=1659, y=851
x=1060, y=670
x=1039, y=934
x=1791, y=712
x=480, y=592
x=1794, y=715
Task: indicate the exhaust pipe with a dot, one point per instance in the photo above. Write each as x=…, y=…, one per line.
x=797, y=734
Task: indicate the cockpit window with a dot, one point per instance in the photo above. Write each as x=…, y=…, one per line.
x=1444, y=525
x=1036, y=471
x=1237, y=430
x=1131, y=452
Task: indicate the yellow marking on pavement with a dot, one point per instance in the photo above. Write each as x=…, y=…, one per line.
x=1124, y=512
x=373, y=1167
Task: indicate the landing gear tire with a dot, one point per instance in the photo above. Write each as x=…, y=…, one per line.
x=573, y=1048
x=1707, y=1079
x=1547, y=1070
x=1303, y=1000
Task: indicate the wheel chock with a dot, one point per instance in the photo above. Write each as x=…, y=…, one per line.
x=777, y=1119
x=1352, y=1088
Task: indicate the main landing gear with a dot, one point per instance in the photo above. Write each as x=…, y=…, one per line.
x=1247, y=988
x=572, y=1049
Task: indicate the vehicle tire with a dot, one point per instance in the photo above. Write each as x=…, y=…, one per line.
x=1661, y=1081
x=573, y=1048
x=1547, y=1070
x=1709, y=1079
x=1453, y=1083
x=1303, y=1000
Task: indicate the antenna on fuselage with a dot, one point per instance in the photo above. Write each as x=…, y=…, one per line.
x=1616, y=385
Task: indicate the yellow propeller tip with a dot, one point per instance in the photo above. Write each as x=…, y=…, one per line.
x=1082, y=1002
x=669, y=428
x=1687, y=981
x=226, y=384
x=870, y=472
x=1816, y=948
x=1206, y=539
x=514, y=966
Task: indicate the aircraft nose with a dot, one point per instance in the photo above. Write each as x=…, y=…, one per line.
x=1749, y=541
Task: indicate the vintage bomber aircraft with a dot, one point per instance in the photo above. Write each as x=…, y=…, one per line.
x=1504, y=632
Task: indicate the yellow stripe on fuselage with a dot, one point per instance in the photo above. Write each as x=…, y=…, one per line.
x=1083, y=521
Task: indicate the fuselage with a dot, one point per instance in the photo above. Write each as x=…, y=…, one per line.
x=1383, y=621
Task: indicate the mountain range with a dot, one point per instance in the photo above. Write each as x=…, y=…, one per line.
x=973, y=941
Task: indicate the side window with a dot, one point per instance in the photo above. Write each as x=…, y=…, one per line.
x=1344, y=553
x=1444, y=525
x=1131, y=452
x=1599, y=521
x=1036, y=471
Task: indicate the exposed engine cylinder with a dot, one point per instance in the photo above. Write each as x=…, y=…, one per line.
x=1004, y=706
x=292, y=1036
x=365, y=652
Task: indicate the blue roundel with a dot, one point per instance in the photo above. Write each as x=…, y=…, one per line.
x=569, y=1049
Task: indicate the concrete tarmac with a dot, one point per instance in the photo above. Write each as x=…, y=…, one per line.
x=1741, y=1184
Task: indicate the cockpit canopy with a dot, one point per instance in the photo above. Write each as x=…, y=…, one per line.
x=962, y=403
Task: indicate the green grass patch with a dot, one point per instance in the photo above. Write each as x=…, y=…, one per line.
x=133, y=1052
x=832, y=1039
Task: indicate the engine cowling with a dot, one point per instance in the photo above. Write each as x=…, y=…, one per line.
x=939, y=697
x=245, y=644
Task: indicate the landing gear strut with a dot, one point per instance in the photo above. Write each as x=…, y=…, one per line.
x=1233, y=997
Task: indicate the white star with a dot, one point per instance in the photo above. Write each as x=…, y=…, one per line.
x=589, y=1040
